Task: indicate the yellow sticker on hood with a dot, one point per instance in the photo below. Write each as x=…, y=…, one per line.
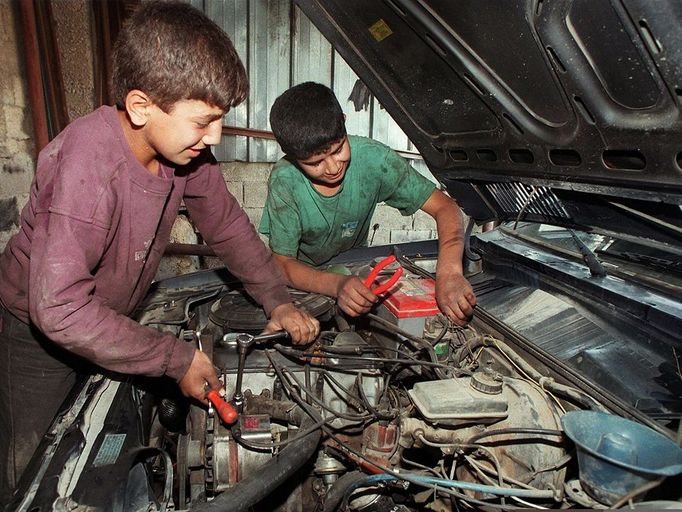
x=380, y=30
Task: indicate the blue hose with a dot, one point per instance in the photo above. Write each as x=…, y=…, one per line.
x=442, y=482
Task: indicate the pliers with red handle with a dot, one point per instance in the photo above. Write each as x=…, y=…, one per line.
x=369, y=280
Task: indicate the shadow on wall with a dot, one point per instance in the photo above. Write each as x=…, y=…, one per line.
x=9, y=214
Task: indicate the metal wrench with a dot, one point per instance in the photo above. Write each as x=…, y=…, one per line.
x=244, y=342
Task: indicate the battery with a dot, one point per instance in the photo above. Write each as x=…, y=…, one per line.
x=414, y=297
x=410, y=303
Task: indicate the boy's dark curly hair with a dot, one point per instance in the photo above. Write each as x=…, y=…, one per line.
x=306, y=120
x=172, y=51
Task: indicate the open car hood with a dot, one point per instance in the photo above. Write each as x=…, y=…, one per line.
x=564, y=111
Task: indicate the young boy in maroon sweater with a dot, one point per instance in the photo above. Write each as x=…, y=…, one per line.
x=103, y=201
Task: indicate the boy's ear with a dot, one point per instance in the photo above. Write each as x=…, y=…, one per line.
x=138, y=106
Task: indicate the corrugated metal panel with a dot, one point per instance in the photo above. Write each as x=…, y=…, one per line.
x=269, y=68
x=312, y=56
x=386, y=130
x=280, y=47
x=231, y=16
x=357, y=122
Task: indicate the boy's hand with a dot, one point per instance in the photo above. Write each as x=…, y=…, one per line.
x=455, y=298
x=200, y=373
x=353, y=297
x=301, y=325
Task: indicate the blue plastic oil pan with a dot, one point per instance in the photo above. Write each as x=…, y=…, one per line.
x=617, y=455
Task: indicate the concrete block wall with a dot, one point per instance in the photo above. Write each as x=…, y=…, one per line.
x=249, y=184
x=16, y=126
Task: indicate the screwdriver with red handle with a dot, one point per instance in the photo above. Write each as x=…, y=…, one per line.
x=227, y=413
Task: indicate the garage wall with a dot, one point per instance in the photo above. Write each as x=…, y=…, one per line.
x=16, y=126
x=248, y=181
x=280, y=48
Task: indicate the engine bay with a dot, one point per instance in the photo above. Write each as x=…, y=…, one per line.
x=397, y=410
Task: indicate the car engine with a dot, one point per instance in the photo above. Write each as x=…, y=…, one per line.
x=395, y=411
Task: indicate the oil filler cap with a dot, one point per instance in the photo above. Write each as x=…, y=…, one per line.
x=487, y=381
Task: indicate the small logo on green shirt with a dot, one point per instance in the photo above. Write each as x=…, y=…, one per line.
x=348, y=229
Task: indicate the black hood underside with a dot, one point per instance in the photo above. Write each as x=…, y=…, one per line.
x=532, y=108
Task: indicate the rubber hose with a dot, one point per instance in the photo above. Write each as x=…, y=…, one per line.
x=468, y=348
x=263, y=481
x=338, y=490
x=467, y=241
x=549, y=384
x=569, y=392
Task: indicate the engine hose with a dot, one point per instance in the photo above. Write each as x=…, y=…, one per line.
x=338, y=490
x=417, y=341
x=547, y=383
x=342, y=322
x=469, y=348
x=263, y=481
x=429, y=481
x=467, y=241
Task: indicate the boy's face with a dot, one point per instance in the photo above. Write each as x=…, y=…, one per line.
x=181, y=134
x=329, y=167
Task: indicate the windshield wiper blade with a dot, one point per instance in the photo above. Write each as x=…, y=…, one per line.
x=590, y=259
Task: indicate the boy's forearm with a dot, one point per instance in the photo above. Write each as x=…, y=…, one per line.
x=448, y=217
x=206, y=193
x=302, y=276
x=450, y=247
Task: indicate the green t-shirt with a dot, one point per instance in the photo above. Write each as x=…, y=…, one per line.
x=302, y=223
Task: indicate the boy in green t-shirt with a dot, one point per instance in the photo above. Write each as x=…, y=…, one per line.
x=320, y=203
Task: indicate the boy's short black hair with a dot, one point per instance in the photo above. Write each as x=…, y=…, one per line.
x=306, y=120
x=172, y=51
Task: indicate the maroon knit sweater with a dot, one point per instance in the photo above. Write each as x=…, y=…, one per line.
x=91, y=237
